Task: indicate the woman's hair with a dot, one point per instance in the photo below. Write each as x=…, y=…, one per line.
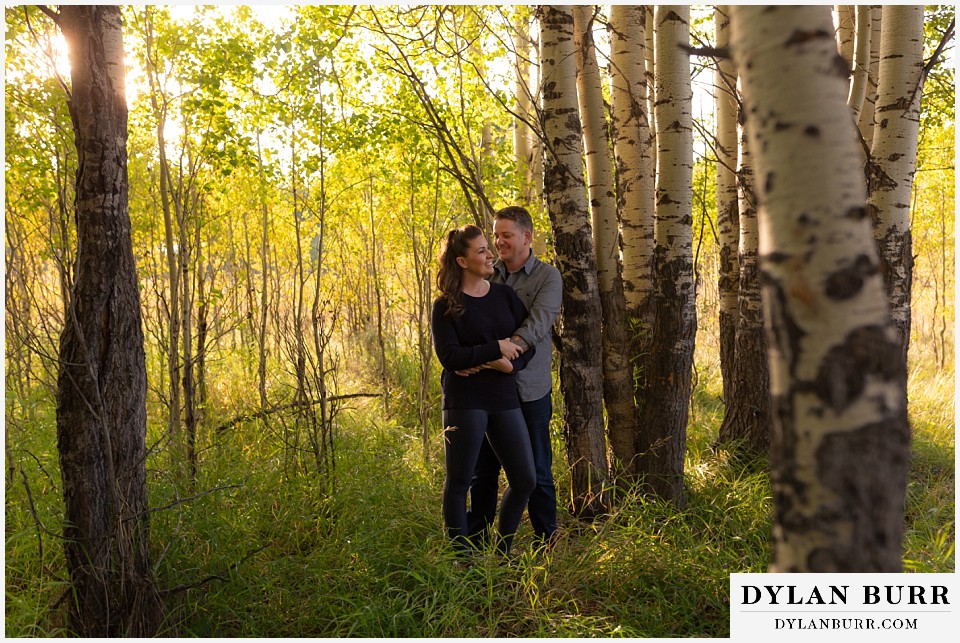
x=449, y=273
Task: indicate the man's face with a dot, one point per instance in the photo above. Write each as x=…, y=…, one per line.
x=513, y=242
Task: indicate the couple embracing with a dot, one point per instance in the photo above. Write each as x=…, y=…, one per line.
x=492, y=334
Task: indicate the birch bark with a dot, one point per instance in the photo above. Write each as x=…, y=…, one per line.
x=840, y=435
x=728, y=210
x=666, y=404
x=581, y=372
x=894, y=155
x=617, y=373
x=866, y=119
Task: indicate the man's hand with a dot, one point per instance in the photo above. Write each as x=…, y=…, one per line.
x=467, y=372
x=520, y=341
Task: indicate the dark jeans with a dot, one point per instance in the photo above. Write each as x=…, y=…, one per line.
x=543, y=501
x=464, y=431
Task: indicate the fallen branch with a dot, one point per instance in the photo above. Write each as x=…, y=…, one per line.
x=184, y=500
x=229, y=424
x=212, y=577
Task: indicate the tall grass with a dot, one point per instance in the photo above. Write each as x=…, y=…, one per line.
x=273, y=554
x=930, y=522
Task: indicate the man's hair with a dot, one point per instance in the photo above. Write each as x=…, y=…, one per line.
x=518, y=215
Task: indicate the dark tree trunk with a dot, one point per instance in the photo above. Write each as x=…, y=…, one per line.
x=101, y=389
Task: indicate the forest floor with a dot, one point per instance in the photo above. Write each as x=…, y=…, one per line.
x=269, y=554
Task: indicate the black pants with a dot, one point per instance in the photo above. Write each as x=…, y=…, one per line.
x=464, y=432
x=542, y=507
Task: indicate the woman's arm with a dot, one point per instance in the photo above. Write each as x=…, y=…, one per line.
x=452, y=355
x=523, y=359
x=503, y=365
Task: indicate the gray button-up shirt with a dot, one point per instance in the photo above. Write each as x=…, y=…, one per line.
x=540, y=288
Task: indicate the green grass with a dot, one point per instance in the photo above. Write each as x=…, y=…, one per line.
x=930, y=537
x=276, y=555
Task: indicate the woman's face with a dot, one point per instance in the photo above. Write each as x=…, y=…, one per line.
x=479, y=258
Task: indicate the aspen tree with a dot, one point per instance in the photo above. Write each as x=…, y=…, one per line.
x=650, y=62
x=170, y=206
x=865, y=122
x=667, y=401
x=894, y=155
x=617, y=374
x=102, y=383
x=746, y=420
x=846, y=32
x=728, y=211
x=861, y=60
x=536, y=101
x=524, y=91
x=633, y=150
x=581, y=372
x=840, y=442
x=485, y=161
x=264, y=308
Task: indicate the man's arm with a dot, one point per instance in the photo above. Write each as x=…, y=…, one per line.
x=541, y=314
x=543, y=310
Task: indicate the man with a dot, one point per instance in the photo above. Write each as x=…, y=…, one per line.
x=539, y=287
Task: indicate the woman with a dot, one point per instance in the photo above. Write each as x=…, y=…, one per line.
x=469, y=319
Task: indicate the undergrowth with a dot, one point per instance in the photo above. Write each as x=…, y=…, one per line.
x=260, y=550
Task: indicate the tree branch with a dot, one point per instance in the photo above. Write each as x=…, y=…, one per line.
x=55, y=17
x=183, y=500
x=50, y=13
x=935, y=58
x=716, y=53
x=283, y=407
x=220, y=576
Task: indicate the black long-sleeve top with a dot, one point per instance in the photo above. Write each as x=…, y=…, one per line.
x=471, y=340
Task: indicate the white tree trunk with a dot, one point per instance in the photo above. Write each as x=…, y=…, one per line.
x=666, y=404
x=524, y=92
x=651, y=85
x=606, y=233
x=841, y=440
x=581, y=374
x=728, y=211
x=894, y=154
x=861, y=61
x=633, y=150
x=866, y=119
x=635, y=162
x=536, y=164
x=746, y=421
x=846, y=32
x=617, y=372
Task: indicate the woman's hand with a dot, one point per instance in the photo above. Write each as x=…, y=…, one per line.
x=508, y=349
x=503, y=365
